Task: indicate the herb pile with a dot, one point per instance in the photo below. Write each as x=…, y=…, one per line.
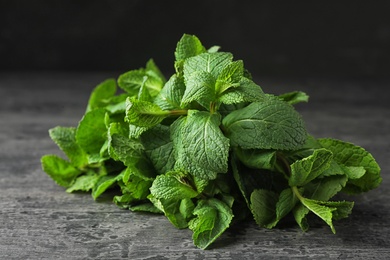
x=206, y=147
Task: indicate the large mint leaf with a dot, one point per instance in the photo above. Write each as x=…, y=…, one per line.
x=91, y=132
x=200, y=86
x=201, y=148
x=61, y=171
x=84, y=182
x=102, y=94
x=213, y=218
x=246, y=91
x=172, y=93
x=65, y=138
x=263, y=207
x=325, y=188
x=132, y=80
x=329, y=210
x=159, y=148
x=212, y=63
x=230, y=76
x=188, y=46
x=309, y=168
x=351, y=155
x=271, y=124
x=173, y=185
x=125, y=150
x=257, y=159
x=143, y=113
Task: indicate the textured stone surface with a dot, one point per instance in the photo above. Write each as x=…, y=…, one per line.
x=38, y=220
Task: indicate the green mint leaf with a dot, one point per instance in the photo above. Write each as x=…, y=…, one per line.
x=329, y=210
x=131, y=81
x=325, y=188
x=212, y=63
x=271, y=124
x=230, y=76
x=154, y=71
x=246, y=91
x=102, y=94
x=61, y=171
x=104, y=183
x=172, y=93
x=143, y=113
x=188, y=46
x=144, y=207
x=309, y=168
x=213, y=218
x=286, y=202
x=257, y=159
x=125, y=150
x=84, y=182
x=91, y=132
x=175, y=210
x=263, y=207
x=294, y=97
x=65, y=138
x=201, y=148
x=200, y=86
x=173, y=185
x=351, y=155
x=159, y=148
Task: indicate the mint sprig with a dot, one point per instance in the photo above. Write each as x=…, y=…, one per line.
x=206, y=147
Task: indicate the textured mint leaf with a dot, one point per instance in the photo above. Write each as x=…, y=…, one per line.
x=159, y=148
x=173, y=209
x=84, y=182
x=325, y=188
x=200, y=146
x=143, y=93
x=154, y=71
x=172, y=93
x=263, y=207
x=173, y=185
x=309, y=168
x=65, y=138
x=125, y=150
x=136, y=182
x=246, y=91
x=329, y=210
x=271, y=124
x=102, y=94
x=294, y=97
x=286, y=202
x=351, y=155
x=61, y=171
x=188, y=46
x=91, y=132
x=136, y=131
x=213, y=218
x=132, y=80
x=212, y=63
x=257, y=159
x=200, y=86
x=104, y=183
x=230, y=76
x=143, y=113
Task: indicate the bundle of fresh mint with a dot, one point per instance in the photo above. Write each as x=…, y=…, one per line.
x=207, y=146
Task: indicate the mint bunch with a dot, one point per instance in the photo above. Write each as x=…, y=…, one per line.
x=206, y=147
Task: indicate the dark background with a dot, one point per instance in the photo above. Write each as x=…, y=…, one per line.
x=274, y=38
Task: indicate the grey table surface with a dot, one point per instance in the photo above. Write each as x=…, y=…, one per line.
x=39, y=220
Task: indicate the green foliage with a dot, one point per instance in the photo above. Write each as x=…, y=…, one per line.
x=206, y=147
